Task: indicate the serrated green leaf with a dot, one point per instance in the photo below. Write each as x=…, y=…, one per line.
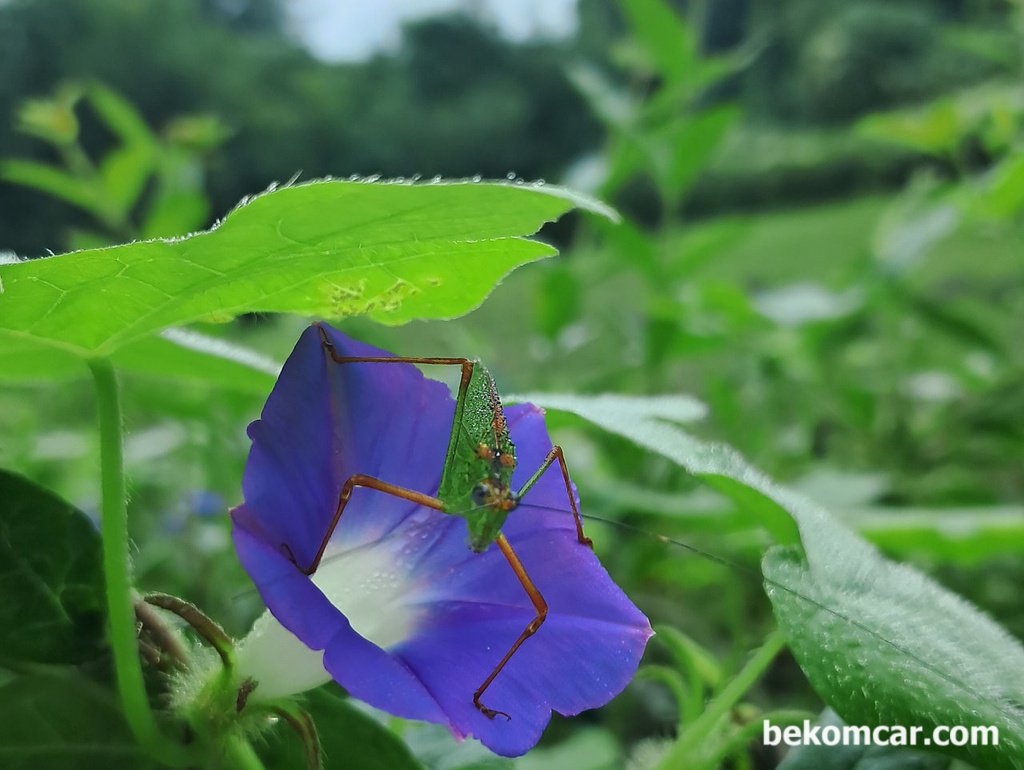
x=51, y=582
x=393, y=251
x=880, y=642
x=350, y=738
x=893, y=647
x=56, y=723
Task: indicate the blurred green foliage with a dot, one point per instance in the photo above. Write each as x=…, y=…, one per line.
x=823, y=218
x=144, y=185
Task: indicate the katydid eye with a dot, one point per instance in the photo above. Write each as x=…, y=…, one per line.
x=479, y=494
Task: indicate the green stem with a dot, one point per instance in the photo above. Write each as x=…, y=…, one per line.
x=697, y=668
x=690, y=746
x=117, y=571
x=749, y=732
x=241, y=755
x=674, y=682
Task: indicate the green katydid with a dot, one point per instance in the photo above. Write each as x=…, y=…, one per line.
x=476, y=481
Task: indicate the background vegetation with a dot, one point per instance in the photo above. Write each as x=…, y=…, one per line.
x=821, y=240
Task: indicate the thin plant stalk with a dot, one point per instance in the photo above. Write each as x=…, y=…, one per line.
x=689, y=746
x=117, y=573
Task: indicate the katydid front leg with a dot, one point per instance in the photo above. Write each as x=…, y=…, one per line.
x=460, y=401
x=556, y=454
x=369, y=482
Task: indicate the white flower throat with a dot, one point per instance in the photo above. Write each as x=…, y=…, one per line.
x=367, y=585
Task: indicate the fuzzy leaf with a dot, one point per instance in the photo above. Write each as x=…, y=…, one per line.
x=333, y=249
x=879, y=641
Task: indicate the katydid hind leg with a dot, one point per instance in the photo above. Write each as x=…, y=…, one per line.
x=368, y=482
x=460, y=401
x=553, y=455
x=541, y=608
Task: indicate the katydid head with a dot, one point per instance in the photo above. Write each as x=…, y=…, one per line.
x=491, y=498
x=484, y=524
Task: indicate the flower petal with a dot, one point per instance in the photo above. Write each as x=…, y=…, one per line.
x=364, y=669
x=326, y=421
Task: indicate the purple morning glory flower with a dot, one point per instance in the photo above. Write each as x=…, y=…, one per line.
x=400, y=611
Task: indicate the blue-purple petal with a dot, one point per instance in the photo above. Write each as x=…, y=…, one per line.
x=325, y=421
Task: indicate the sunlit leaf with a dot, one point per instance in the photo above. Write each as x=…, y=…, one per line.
x=936, y=129
x=1003, y=196
x=393, y=251
x=52, y=120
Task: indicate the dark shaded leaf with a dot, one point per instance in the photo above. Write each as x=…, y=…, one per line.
x=350, y=738
x=51, y=580
x=51, y=723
